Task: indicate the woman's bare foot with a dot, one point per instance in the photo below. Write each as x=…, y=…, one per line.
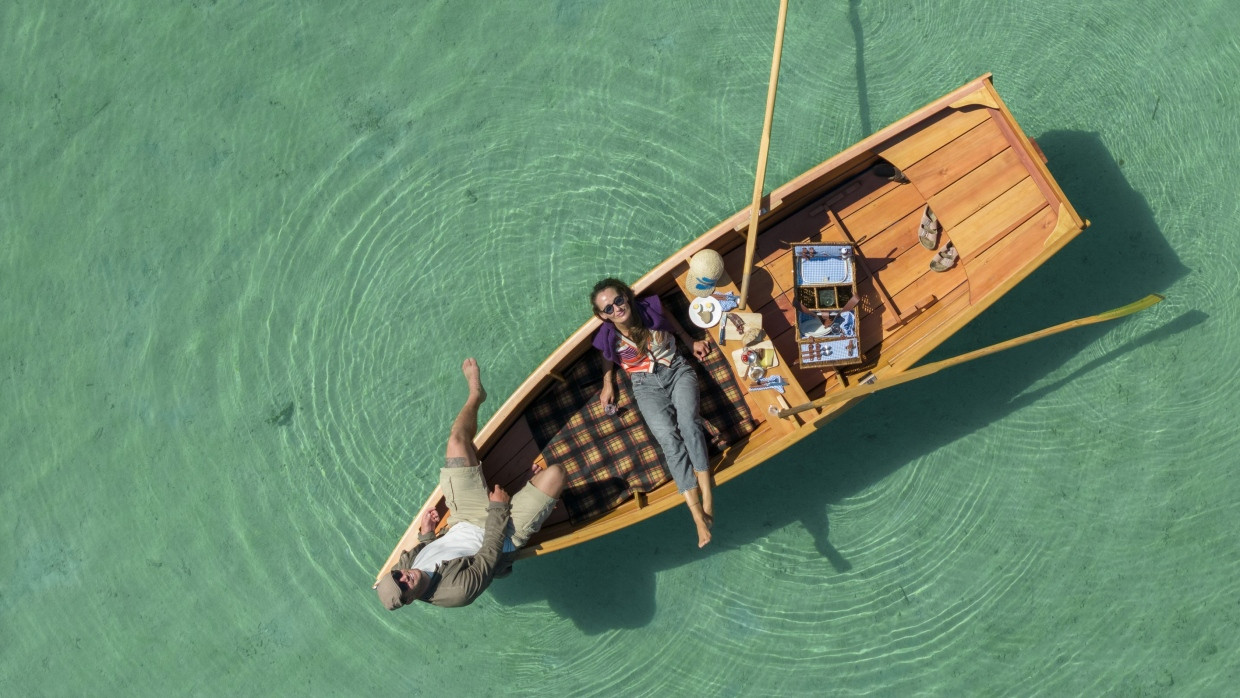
x=701, y=519
x=703, y=531
x=708, y=496
x=473, y=376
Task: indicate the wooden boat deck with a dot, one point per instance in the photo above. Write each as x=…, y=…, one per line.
x=964, y=156
x=998, y=210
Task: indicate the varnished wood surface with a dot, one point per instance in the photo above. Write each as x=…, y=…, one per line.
x=998, y=204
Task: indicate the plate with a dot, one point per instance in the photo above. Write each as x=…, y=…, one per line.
x=705, y=312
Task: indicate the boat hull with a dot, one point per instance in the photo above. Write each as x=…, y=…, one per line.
x=963, y=155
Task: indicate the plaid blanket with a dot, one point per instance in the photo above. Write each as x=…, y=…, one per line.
x=608, y=458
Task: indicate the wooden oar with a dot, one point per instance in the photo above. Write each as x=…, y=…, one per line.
x=751, y=242
x=923, y=371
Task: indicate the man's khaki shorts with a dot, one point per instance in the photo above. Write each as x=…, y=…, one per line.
x=466, y=494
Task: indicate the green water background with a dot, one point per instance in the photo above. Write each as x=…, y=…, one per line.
x=244, y=248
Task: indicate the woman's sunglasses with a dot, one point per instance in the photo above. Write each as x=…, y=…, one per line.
x=618, y=303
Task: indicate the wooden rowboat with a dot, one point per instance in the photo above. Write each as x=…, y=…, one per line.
x=962, y=155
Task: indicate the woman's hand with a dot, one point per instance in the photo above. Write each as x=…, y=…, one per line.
x=607, y=396
x=701, y=349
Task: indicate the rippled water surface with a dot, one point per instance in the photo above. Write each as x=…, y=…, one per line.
x=244, y=248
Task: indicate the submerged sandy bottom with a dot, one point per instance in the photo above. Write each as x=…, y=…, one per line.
x=245, y=249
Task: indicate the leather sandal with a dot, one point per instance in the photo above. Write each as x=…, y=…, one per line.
x=945, y=259
x=928, y=233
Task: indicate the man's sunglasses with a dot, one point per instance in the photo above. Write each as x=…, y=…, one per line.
x=618, y=303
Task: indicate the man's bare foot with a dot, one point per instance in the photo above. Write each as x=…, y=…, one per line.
x=473, y=376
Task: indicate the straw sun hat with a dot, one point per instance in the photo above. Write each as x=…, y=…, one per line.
x=705, y=272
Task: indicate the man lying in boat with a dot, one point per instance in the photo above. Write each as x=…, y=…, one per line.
x=455, y=568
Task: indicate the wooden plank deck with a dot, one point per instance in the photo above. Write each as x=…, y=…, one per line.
x=993, y=265
x=909, y=149
x=997, y=218
x=964, y=197
x=944, y=166
x=982, y=190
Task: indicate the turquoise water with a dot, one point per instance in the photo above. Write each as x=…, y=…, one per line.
x=244, y=248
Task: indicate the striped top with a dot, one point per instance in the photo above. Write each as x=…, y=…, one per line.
x=662, y=350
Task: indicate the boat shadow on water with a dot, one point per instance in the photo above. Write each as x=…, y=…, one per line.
x=611, y=583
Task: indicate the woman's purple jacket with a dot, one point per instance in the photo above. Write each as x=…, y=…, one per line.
x=651, y=309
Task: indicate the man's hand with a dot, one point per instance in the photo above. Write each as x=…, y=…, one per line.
x=429, y=521
x=499, y=495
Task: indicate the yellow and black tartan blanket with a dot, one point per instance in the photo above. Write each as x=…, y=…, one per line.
x=608, y=458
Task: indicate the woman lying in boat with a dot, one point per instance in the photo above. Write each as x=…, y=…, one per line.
x=637, y=337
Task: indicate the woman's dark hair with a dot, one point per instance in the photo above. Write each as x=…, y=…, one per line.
x=639, y=333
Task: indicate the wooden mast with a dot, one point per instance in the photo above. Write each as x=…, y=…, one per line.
x=751, y=241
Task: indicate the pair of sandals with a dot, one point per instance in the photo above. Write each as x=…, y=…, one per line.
x=928, y=236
